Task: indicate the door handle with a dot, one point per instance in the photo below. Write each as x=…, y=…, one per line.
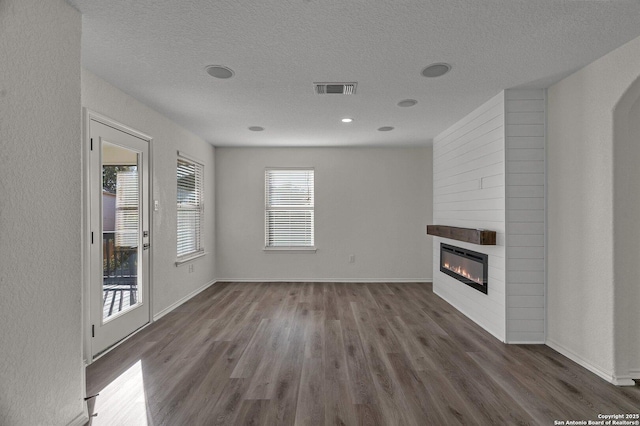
x=146, y=246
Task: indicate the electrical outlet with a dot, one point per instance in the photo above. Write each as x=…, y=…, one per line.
x=352, y=258
x=191, y=268
x=156, y=205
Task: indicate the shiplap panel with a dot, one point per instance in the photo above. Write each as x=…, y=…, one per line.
x=482, y=134
x=524, y=142
x=526, y=228
x=474, y=145
x=525, y=313
x=469, y=185
x=536, y=216
x=526, y=301
x=523, y=94
x=469, y=191
x=489, y=173
x=529, y=326
x=494, y=181
x=525, y=240
x=527, y=338
x=523, y=289
x=480, y=194
x=533, y=191
x=526, y=179
x=525, y=203
x=514, y=166
x=526, y=253
x=495, y=102
x=477, y=163
x=525, y=117
x=527, y=105
x=525, y=156
x=491, y=204
x=472, y=174
x=525, y=130
x=525, y=265
x=478, y=151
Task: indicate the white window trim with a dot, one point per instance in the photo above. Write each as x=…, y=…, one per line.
x=181, y=260
x=188, y=258
x=293, y=249
x=310, y=249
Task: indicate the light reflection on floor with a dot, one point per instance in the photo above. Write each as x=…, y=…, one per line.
x=123, y=401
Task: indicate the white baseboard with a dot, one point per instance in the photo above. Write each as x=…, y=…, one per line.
x=533, y=342
x=606, y=375
x=80, y=420
x=635, y=373
x=171, y=307
x=325, y=280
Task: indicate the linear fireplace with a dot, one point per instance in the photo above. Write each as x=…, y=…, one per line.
x=467, y=266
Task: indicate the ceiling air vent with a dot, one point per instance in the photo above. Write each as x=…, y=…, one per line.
x=335, y=88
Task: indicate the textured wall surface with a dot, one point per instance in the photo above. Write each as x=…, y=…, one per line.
x=580, y=172
x=41, y=380
x=469, y=191
x=372, y=203
x=170, y=283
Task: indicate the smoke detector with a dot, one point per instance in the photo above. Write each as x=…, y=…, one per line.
x=335, y=88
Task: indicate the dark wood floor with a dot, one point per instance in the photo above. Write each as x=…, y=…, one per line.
x=337, y=354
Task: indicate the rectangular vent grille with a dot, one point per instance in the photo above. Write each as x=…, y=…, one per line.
x=335, y=88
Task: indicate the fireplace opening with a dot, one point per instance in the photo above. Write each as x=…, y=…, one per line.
x=467, y=266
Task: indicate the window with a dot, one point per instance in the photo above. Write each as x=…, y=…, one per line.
x=289, y=208
x=190, y=207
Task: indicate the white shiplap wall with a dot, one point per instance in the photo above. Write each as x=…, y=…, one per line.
x=525, y=141
x=489, y=173
x=469, y=191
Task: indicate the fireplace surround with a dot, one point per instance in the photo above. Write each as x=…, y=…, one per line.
x=467, y=266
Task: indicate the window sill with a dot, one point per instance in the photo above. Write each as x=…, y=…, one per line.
x=290, y=249
x=188, y=259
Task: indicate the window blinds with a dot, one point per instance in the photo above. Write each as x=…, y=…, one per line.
x=289, y=212
x=190, y=207
x=127, y=208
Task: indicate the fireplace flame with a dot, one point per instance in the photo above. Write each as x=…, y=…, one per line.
x=463, y=272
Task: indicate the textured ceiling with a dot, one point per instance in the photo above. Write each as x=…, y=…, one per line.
x=156, y=50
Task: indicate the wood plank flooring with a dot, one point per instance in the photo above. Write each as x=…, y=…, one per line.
x=337, y=354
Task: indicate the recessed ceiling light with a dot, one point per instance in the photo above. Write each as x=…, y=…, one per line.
x=347, y=120
x=256, y=128
x=385, y=129
x=407, y=103
x=219, y=71
x=436, y=70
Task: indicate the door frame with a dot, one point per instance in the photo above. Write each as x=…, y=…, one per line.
x=89, y=115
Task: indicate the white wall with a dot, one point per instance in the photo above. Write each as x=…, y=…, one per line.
x=372, y=203
x=627, y=232
x=469, y=192
x=170, y=283
x=580, y=166
x=41, y=371
x=524, y=141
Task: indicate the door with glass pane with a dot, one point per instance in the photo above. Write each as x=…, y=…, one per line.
x=119, y=167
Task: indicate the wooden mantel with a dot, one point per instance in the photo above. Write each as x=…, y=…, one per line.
x=469, y=235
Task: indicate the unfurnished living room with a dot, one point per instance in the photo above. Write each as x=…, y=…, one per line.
x=311, y=212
